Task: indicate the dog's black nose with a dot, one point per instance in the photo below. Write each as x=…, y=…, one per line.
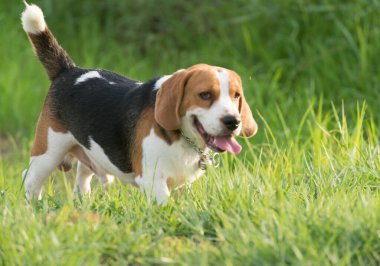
x=231, y=122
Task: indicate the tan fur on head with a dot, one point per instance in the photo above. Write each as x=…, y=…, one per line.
x=249, y=126
x=180, y=93
x=173, y=99
x=168, y=101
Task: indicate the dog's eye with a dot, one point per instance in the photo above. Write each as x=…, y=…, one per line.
x=237, y=95
x=205, y=95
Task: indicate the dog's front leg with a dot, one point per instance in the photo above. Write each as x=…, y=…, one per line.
x=154, y=187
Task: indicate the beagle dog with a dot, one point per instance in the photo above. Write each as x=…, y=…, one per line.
x=156, y=135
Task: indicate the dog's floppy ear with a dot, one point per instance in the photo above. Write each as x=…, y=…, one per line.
x=169, y=99
x=249, y=126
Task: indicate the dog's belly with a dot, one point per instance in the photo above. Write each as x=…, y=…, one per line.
x=96, y=159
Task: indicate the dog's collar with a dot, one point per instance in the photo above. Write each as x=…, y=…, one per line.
x=206, y=157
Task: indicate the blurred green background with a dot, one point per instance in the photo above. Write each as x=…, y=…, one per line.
x=290, y=54
x=306, y=192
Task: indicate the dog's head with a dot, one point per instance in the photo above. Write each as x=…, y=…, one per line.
x=207, y=103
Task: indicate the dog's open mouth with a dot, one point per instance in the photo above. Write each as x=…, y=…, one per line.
x=218, y=143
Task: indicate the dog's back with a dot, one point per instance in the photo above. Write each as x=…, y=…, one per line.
x=104, y=108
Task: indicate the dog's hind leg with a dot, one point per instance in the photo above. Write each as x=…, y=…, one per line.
x=49, y=148
x=106, y=180
x=83, y=180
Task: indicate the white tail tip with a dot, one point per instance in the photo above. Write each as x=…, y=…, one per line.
x=33, y=19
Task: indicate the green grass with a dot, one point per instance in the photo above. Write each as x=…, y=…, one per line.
x=305, y=190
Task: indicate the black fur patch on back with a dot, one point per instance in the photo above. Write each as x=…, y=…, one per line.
x=107, y=113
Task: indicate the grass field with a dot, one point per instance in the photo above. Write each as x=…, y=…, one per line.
x=304, y=191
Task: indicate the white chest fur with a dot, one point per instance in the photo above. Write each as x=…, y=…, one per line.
x=177, y=163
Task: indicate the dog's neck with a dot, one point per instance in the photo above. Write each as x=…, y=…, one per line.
x=207, y=157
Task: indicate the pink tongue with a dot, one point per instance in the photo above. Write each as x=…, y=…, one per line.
x=228, y=144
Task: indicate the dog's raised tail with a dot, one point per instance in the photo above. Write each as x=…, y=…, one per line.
x=53, y=57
